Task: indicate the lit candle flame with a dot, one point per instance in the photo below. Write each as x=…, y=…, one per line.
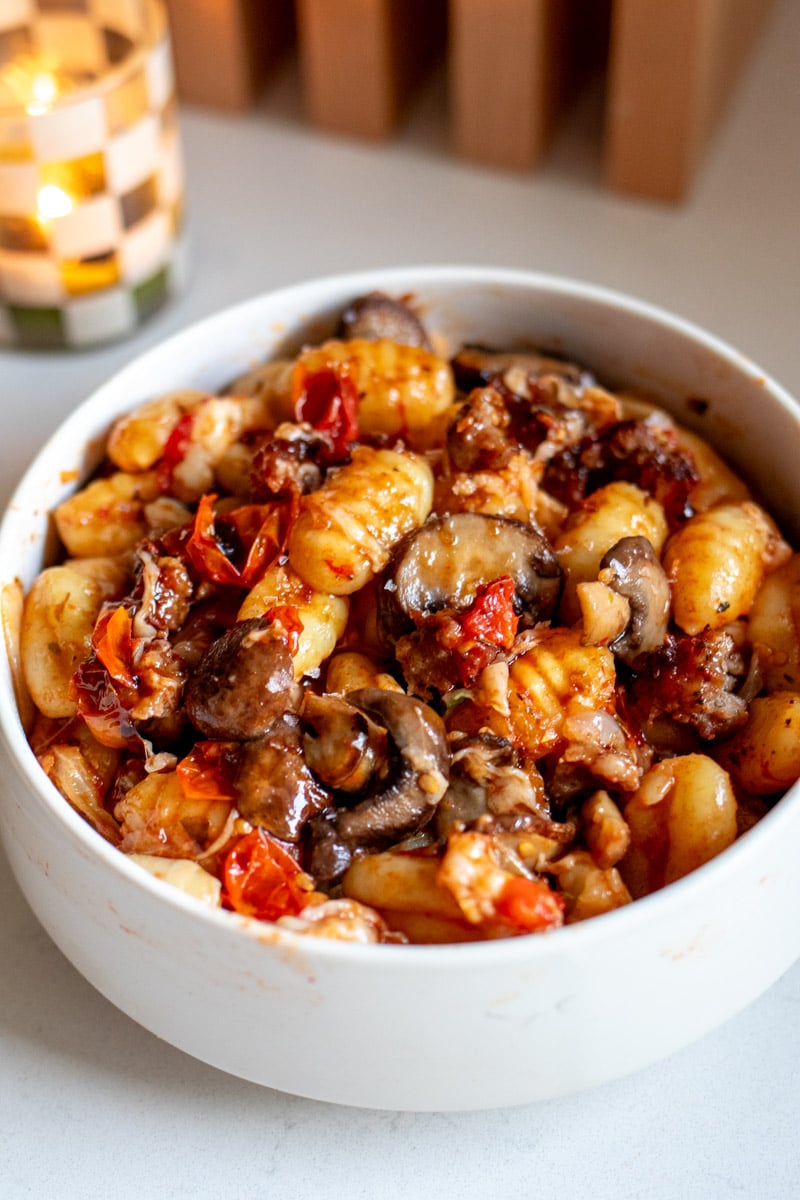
x=44, y=91
x=33, y=82
x=52, y=202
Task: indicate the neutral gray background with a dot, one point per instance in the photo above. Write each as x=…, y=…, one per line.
x=93, y=1106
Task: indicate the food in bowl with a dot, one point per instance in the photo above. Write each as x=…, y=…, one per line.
x=342, y=1021
x=387, y=644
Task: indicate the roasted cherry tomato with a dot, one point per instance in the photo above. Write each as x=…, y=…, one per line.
x=491, y=616
x=328, y=400
x=473, y=635
x=252, y=534
x=530, y=905
x=175, y=450
x=261, y=879
x=208, y=771
x=113, y=644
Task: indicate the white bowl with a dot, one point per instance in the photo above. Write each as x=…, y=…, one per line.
x=419, y=1027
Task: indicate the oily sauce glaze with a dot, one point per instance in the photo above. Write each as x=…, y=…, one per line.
x=384, y=647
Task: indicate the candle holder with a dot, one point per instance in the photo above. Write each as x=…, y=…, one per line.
x=91, y=175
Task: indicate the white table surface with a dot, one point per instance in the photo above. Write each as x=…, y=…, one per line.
x=91, y=1105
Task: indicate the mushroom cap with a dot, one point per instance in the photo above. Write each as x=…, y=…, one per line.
x=632, y=569
x=442, y=564
x=343, y=747
x=377, y=316
x=242, y=684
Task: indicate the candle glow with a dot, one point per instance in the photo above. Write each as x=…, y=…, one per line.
x=52, y=202
x=33, y=83
x=91, y=178
x=44, y=90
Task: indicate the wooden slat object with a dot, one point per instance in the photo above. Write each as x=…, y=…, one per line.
x=510, y=66
x=361, y=58
x=224, y=48
x=672, y=66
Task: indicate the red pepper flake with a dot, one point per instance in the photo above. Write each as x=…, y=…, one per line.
x=342, y=571
x=328, y=401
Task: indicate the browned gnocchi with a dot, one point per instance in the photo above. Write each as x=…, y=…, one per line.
x=386, y=647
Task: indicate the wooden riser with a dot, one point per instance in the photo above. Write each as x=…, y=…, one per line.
x=511, y=66
x=224, y=48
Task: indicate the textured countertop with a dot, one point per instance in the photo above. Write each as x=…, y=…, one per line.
x=91, y=1105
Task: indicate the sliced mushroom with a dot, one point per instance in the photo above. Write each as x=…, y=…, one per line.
x=378, y=316
x=631, y=568
x=442, y=564
x=605, y=614
x=343, y=747
x=417, y=780
x=474, y=366
x=243, y=683
x=275, y=788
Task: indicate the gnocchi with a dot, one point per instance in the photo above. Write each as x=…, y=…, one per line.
x=764, y=756
x=344, y=532
x=108, y=516
x=387, y=648
x=618, y=510
x=717, y=562
x=401, y=389
x=774, y=627
x=683, y=815
x=58, y=620
x=322, y=617
x=554, y=679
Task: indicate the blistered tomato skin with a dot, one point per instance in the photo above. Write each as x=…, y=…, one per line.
x=262, y=880
x=328, y=401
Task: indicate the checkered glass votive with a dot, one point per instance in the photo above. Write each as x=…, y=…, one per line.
x=91, y=175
